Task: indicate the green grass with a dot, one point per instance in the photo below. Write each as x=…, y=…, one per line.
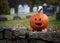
x=53, y=21
x=11, y=22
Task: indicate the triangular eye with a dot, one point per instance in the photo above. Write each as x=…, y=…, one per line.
x=40, y=19
x=35, y=19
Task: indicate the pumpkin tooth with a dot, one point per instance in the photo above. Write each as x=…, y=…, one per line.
x=39, y=24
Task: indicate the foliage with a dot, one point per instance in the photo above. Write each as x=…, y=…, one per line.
x=15, y=3
x=53, y=2
x=35, y=3
x=4, y=8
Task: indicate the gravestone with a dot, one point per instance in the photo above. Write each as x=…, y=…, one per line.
x=44, y=7
x=29, y=16
x=3, y=18
x=12, y=11
x=40, y=8
x=50, y=10
x=26, y=8
x=35, y=9
x=20, y=9
x=23, y=9
x=57, y=9
x=58, y=13
x=17, y=17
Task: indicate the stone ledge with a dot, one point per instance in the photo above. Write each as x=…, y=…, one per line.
x=48, y=36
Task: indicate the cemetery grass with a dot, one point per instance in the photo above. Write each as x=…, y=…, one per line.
x=25, y=22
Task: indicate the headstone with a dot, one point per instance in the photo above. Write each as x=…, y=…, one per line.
x=20, y=9
x=35, y=9
x=50, y=10
x=44, y=4
x=58, y=13
x=26, y=8
x=23, y=9
x=12, y=11
x=16, y=18
x=40, y=8
x=29, y=16
x=57, y=9
x=44, y=7
x=3, y=18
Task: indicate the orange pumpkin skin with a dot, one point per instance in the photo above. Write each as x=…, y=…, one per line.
x=39, y=21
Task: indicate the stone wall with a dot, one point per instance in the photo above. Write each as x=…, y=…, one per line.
x=7, y=35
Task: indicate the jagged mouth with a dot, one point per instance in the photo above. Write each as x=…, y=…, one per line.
x=39, y=24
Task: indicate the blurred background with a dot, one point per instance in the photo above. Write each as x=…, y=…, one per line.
x=15, y=21
x=13, y=12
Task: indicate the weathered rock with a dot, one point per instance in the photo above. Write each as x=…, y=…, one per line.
x=1, y=35
x=48, y=36
x=20, y=32
x=2, y=41
x=8, y=34
x=44, y=37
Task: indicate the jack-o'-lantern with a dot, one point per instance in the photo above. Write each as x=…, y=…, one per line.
x=39, y=21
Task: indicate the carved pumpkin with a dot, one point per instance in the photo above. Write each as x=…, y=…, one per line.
x=39, y=21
